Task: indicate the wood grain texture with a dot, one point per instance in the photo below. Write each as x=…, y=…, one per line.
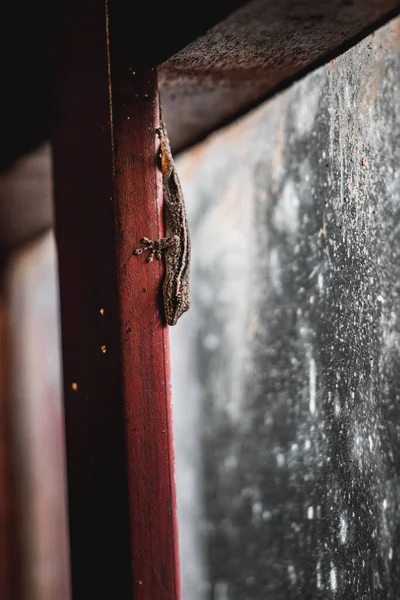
x=38, y=445
x=9, y=551
x=144, y=343
x=257, y=51
x=115, y=349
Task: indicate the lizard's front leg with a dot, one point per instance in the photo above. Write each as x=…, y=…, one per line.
x=155, y=248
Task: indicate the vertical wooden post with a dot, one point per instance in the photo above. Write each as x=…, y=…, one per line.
x=108, y=195
x=9, y=547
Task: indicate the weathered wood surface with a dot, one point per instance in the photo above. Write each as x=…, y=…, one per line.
x=256, y=51
x=216, y=63
x=35, y=425
x=108, y=195
x=10, y=564
x=286, y=368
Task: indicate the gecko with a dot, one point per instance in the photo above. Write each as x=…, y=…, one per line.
x=175, y=246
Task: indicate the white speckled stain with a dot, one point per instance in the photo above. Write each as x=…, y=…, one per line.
x=286, y=217
x=221, y=591
x=320, y=282
x=257, y=509
x=275, y=270
x=313, y=385
x=307, y=106
x=343, y=525
x=292, y=574
x=230, y=462
x=280, y=459
x=211, y=341
x=319, y=578
x=333, y=578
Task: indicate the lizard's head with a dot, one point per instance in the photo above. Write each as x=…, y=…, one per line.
x=176, y=301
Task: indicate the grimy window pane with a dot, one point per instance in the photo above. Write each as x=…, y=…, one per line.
x=286, y=368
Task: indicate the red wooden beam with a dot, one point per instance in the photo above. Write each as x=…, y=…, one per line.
x=108, y=195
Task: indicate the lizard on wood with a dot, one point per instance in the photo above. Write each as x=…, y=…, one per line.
x=176, y=244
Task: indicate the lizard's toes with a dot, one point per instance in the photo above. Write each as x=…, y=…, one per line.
x=146, y=241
